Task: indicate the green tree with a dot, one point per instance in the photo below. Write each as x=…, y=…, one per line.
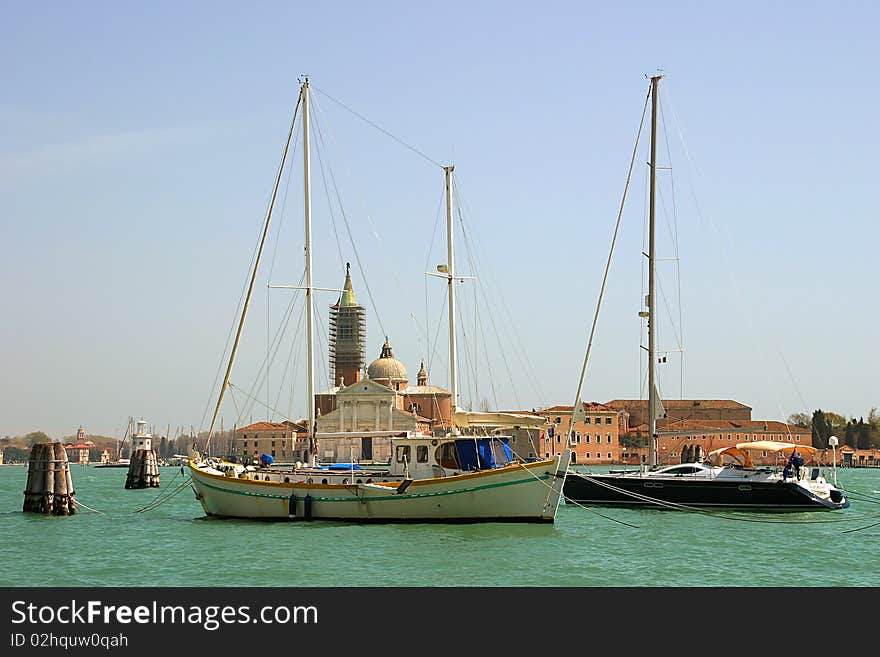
x=35, y=437
x=821, y=429
x=800, y=420
x=863, y=435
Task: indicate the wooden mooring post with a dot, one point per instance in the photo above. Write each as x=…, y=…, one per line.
x=49, y=487
x=143, y=470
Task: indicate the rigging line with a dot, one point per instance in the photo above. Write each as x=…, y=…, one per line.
x=160, y=493
x=577, y=399
x=858, y=529
x=293, y=343
x=677, y=246
x=601, y=515
x=323, y=339
x=504, y=358
x=262, y=376
x=470, y=242
x=326, y=187
x=428, y=264
x=380, y=129
x=488, y=363
x=283, y=206
x=671, y=178
x=254, y=256
x=79, y=502
x=254, y=400
x=296, y=360
x=357, y=256
x=433, y=352
x=180, y=488
x=254, y=274
x=678, y=341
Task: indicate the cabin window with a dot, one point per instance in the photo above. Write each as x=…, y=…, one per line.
x=403, y=454
x=447, y=456
x=422, y=453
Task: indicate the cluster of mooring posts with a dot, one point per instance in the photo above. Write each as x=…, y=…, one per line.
x=49, y=487
x=143, y=468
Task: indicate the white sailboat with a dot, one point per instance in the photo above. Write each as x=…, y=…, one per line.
x=730, y=478
x=452, y=478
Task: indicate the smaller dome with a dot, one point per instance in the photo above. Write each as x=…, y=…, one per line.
x=387, y=369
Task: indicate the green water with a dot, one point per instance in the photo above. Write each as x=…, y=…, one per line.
x=175, y=545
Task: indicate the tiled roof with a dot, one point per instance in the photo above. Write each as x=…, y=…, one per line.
x=301, y=425
x=671, y=424
x=589, y=407
x=679, y=403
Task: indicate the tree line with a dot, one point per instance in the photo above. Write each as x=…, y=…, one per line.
x=858, y=433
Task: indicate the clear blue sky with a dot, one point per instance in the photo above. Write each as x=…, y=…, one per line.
x=140, y=141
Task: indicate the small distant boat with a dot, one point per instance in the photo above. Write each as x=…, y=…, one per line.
x=123, y=463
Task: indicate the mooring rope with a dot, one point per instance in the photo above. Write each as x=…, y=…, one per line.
x=159, y=502
x=79, y=503
x=569, y=501
x=156, y=500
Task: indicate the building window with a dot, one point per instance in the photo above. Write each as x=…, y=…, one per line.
x=607, y=420
x=586, y=438
x=737, y=437
x=586, y=420
x=273, y=453
x=609, y=437
x=798, y=438
x=609, y=456
x=574, y=457
x=587, y=455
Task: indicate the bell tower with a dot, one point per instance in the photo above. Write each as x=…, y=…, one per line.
x=348, y=330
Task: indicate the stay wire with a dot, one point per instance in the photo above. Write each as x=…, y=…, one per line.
x=379, y=128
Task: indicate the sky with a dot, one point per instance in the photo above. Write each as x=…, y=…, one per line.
x=139, y=144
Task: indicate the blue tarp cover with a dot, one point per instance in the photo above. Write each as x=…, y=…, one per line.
x=266, y=459
x=343, y=466
x=477, y=454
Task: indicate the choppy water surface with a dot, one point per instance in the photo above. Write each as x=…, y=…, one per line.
x=175, y=545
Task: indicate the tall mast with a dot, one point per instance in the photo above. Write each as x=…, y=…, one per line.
x=308, y=253
x=652, y=402
x=450, y=277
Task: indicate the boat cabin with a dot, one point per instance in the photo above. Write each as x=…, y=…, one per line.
x=426, y=457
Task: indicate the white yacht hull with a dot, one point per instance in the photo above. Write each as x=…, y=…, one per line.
x=520, y=492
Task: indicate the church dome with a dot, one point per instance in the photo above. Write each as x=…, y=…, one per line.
x=387, y=370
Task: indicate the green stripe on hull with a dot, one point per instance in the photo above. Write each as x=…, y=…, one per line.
x=381, y=499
